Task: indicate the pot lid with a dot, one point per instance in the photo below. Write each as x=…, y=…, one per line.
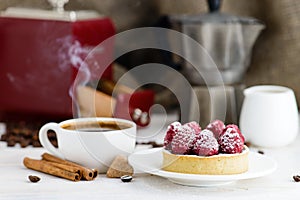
x=58, y=12
x=214, y=16
x=49, y=14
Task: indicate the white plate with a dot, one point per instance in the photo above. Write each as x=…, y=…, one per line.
x=150, y=161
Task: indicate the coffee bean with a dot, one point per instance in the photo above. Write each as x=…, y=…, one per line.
x=296, y=178
x=126, y=178
x=34, y=179
x=261, y=152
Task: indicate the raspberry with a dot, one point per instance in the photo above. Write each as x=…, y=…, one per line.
x=194, y=125
x=231, y=141
x=183, y=141
x=206, y=144
x=235, y=127
x=217, y=127
x=171, y=131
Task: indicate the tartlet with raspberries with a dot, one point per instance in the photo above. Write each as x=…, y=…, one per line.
x=215, y=150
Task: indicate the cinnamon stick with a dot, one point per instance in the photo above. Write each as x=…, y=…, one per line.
x=47, y=167
x=87, y=174
x=95, y=173
x=64, y=167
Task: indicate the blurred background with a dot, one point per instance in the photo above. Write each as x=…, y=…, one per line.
x=275, y=57
x=36, y=81
x=275, y=52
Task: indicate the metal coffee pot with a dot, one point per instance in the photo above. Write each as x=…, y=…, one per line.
x=228, y=41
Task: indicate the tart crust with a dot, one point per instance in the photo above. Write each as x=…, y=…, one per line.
x=221, y=164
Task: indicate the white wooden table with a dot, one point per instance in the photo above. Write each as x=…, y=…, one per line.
x=14, y=183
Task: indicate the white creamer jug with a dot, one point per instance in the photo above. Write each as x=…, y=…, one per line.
x=269, y=116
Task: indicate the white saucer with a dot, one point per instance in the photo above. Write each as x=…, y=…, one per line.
x=150, y=161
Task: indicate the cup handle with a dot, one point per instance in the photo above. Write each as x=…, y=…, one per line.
x=43, y=137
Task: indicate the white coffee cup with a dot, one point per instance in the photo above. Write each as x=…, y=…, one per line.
x=91, y=142
x=269, y=116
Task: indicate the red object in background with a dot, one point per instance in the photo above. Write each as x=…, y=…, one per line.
x=127, y=104
x=37, y=59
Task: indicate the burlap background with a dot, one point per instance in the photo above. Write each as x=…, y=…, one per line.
x=275, y=58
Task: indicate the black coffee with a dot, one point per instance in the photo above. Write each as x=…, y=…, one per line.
x=96, y=126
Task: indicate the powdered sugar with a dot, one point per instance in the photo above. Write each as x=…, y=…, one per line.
x=217, y=127
x=194, y=125
x=173, y=128
x=230, y=141
x=189, y=139
x=206, y=144
x=183, y=141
